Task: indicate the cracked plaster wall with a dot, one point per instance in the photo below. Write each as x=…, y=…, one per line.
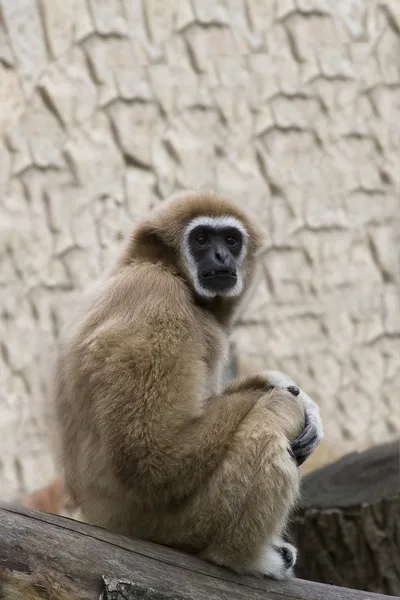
x=291, y=107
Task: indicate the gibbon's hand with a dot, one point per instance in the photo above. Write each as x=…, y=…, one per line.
x=305, y=444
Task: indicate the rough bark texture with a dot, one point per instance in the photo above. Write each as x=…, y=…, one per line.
x=348, y=532
x=45, y=557
x=288, y=106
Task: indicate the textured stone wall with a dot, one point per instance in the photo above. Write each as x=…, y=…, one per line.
x=291, y=107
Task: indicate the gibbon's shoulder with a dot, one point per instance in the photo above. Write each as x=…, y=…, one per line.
x=140, y=309
x=150, y=288
x=152, y=278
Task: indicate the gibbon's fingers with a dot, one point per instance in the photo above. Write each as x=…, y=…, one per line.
x=306, y=443
x=311, y=436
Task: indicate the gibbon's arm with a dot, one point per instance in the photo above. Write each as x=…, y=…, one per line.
x=168, y=448
x=150, y=402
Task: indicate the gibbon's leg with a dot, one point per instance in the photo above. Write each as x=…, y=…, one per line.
x=243, y=507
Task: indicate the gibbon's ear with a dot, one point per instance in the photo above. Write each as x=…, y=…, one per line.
x=147, y=245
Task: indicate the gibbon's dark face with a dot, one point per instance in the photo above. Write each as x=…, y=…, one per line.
x=216, y=250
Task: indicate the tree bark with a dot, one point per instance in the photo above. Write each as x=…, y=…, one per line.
x=45, y=557
x=348, y=530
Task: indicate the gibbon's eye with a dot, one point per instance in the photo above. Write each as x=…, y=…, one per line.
x=202, y=239
x=231, y=240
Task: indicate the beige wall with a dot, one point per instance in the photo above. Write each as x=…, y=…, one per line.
x=290, y=107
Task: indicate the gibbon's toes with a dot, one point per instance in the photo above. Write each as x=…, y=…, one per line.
x=276, y=562
x=288, y=553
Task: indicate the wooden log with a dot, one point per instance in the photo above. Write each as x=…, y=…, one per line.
x=348, y=530
x=47, y=557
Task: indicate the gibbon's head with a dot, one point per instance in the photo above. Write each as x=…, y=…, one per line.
x=214, y=250
x=210, y=240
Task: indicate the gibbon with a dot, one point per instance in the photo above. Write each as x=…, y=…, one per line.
x=151, y=445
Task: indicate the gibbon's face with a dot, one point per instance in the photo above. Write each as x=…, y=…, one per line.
x=214, y=249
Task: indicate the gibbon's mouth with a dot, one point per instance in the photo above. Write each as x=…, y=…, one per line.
x=219, y=280
x=211, y=274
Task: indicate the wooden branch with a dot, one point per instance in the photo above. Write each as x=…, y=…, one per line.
x=348, y=531
x=44, y=556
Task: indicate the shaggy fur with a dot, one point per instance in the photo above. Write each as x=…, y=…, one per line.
x=151, y=446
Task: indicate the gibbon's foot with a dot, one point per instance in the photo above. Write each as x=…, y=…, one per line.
x=276, y=562
x=289, y=554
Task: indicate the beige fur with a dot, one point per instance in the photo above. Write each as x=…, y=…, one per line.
x=151, y=447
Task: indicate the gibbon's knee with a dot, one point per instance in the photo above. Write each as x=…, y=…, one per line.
x=247, y=501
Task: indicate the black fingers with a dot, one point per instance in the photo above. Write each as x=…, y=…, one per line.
x=300, y=460
x=305, y=443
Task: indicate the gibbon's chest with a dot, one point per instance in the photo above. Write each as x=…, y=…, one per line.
x=215, y=352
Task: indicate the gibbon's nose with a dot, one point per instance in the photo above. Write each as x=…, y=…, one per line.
x=220, y=255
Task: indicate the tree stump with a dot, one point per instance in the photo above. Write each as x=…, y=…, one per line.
x=348, y=528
